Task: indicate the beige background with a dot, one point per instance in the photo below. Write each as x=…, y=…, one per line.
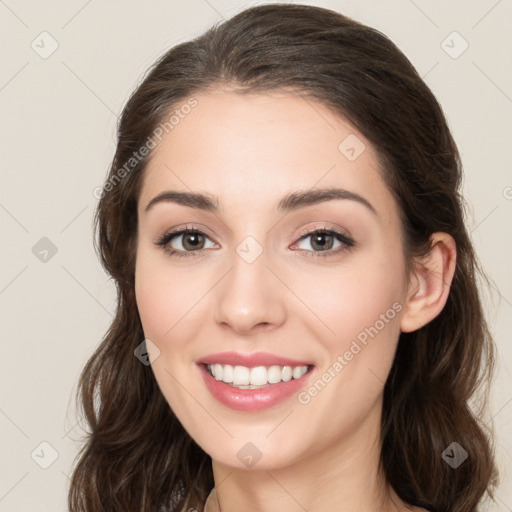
x=57, y=138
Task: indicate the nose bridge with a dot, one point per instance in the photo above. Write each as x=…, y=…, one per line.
x=249, y=295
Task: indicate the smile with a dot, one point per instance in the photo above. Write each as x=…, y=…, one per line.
x=244, y=377
x=253, y=382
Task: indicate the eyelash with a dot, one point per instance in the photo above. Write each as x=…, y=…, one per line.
x=347, y=242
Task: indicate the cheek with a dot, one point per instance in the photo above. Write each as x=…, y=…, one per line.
x=361, y=308
x=164, y=302
x=360, y=312
x=161, y=295
x=152, y=302
x=351, y=299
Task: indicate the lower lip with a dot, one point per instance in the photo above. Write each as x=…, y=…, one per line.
x=251, y=400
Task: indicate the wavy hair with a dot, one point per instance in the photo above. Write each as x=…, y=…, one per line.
x=136, y=455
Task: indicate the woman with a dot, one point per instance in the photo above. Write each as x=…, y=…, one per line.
x=298, y=322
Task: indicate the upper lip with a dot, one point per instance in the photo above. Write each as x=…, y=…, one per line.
x=250, y=360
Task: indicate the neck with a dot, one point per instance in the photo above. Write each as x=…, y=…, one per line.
x=343, y=475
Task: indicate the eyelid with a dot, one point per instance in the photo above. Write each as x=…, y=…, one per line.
x=313, y=229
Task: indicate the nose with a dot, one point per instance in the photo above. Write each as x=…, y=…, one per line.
x=250, y=298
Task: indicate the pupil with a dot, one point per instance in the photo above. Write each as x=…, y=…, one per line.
x=192, y=236
x=317, y=239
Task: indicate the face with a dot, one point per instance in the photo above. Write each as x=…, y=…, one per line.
x=272, y=278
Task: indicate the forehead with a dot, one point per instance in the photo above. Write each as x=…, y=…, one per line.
x=250, y=150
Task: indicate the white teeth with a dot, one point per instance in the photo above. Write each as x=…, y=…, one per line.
x=227, y=373
x=240, y=375
x=255, y=377
x=218, y=371
x=286, y=373
x=274, y=374
x=298, y=372
x=258, y=376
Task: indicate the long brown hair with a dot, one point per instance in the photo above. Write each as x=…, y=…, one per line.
x=136, y=455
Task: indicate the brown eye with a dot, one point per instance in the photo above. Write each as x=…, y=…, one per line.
x=324, y=240
x=191, y=241
x=184, y=242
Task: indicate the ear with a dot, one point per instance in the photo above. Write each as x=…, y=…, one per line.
x=430, y=283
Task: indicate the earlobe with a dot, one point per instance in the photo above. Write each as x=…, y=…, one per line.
x=430, y=284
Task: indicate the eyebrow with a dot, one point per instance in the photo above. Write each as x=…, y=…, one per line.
x=290, y=202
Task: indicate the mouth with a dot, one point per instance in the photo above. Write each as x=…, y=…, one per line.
x=254, y=382
x=256, y=377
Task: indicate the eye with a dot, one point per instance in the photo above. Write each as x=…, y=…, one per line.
x=324, y=239
x=190, y=242
x=187, y=240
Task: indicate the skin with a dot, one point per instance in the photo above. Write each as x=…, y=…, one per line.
x=249, y=151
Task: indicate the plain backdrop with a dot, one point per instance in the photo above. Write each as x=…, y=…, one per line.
x=67, y=68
